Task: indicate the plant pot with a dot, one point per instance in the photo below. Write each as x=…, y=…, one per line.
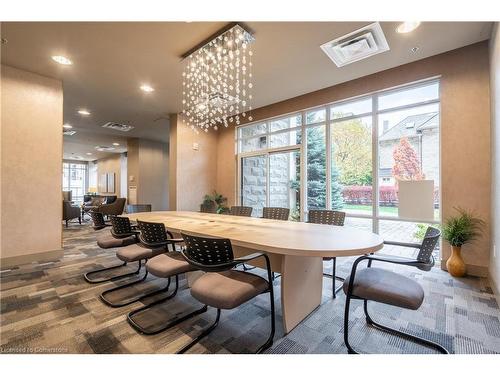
x=455, y=264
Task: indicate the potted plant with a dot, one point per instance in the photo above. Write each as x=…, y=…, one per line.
x=214, y=203
x=458, y=231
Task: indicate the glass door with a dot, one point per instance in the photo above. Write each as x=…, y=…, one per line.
x=284, y=181
x=254, y=183
x=273, y=180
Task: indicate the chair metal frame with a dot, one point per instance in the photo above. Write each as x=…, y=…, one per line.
x=145, y=241
x=423, y=262
x=121, y=228
x=329, y=217
x=225, y=266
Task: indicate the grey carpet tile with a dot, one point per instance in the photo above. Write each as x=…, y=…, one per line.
x=49, y=308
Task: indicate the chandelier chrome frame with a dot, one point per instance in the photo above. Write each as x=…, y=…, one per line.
x=217, y=79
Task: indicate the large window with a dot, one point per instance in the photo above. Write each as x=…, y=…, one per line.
x=376, y=157
x=74, y=179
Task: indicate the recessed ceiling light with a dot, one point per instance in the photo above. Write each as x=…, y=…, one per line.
x=147, y=88
x=407, y=27
x=84, y=112
x=116, y=144
x=89, y=153
x=62, y=60
x=67, y=126
x=104, y=148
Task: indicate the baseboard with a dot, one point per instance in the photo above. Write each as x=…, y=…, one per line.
x=48, y=256
x=472, y=270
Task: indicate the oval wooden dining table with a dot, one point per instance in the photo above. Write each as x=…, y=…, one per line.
x=296, y=250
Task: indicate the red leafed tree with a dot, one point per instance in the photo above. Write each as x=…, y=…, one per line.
x=406, y=164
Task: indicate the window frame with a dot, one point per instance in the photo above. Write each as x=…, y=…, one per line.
x=374, y=114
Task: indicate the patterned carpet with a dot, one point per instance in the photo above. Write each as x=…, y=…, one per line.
x=49, y=308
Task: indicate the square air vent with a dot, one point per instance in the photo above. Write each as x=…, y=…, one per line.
x=117, y=126
x=360, y=44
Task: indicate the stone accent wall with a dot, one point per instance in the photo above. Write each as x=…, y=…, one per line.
x=254, y=175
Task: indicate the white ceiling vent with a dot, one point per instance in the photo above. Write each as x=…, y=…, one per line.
x=117, y=126
x=360, y=44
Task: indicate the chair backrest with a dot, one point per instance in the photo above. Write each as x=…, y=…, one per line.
x=276, y=213
x=121, y=226
x=208, y=254
x=97, y=219
x=429, y=242
x=328, y=217
x=67, y=195
x=153, y=234
x=241, y=211
x=208, y=209
x=110, y=199
x=134, y=208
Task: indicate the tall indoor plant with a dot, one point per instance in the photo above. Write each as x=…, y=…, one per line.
x=458, y=231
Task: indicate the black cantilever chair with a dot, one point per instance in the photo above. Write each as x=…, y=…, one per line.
x=154, y=240
x=222, y=287
x=275, y=213
x=384, y=286
x=98, y=221
x=121, y=235
x=240, y=211
x=329, y=217
x=167, y=265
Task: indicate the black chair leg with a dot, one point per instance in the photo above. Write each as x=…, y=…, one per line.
x=417, y=339
x=350, y=350
x=170, y=323
x=334, y=277
x=204, y=333
x=270, y=340
x=133, y=299
x=246, y=268
x=112, y=278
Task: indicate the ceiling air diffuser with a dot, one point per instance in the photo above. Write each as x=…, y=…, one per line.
x=358, y=45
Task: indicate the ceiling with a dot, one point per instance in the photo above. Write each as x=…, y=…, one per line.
x=112, y=59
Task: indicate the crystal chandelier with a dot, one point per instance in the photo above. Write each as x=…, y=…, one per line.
x=217, y=80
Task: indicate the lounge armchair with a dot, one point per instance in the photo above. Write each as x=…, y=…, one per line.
x=71, y=212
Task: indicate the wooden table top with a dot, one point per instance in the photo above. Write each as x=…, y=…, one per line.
x=273, y=236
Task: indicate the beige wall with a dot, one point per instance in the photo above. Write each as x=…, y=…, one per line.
x=31, y=167
x=495, y=154
x=148, y=166
x=111, y=164
x=153, y=174
x=465, y=131
x=193, y=172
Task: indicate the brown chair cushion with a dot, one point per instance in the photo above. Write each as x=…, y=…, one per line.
x=228, y=289
x=376, y=284
x=106, y=241
x=137, y=252
x=168, y=264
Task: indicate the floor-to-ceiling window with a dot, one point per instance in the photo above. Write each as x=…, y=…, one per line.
x=376, y=157
x=74, y=179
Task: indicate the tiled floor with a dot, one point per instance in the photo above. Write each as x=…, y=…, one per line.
x=50, y=308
